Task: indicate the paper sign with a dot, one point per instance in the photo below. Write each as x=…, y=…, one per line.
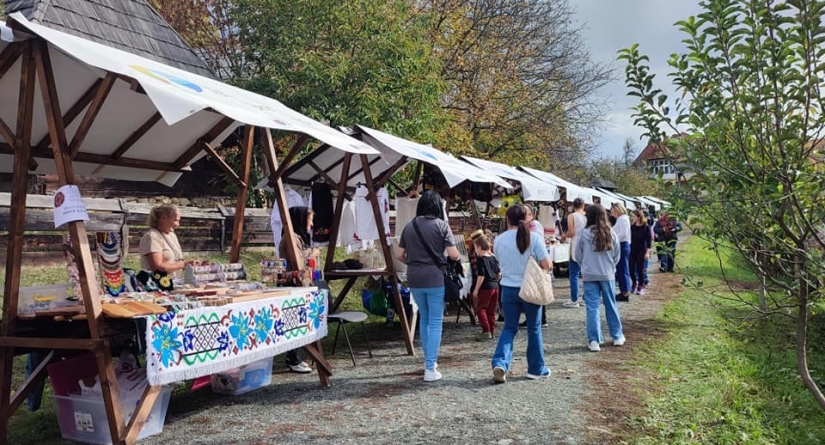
x=68, y=206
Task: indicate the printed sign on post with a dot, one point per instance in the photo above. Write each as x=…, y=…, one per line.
x=68, y=206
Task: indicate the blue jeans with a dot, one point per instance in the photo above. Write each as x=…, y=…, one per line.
x=574, y=270
x=513, y=306
x=623, y=268
x=430, y=301
x=646, y=280
x=594, y=291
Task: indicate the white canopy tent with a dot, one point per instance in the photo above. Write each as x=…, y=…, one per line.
x=662, y=202
x=572, y=191
x=128, y=95
x=615, y=197
x=532, y=188
x=646, y=202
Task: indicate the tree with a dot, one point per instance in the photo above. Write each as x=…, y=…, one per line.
x=361, y=62
x=750, y=98
x=629, y=180
x=521, y=83
x=628, y=152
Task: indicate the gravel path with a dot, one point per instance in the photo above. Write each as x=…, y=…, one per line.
x=384, y=400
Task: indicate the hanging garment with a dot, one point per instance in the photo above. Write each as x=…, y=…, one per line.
x=323, y=209
x=293, y=199
x=366, y=228
x=346, y=230
x=404, y=212
x=384, y=208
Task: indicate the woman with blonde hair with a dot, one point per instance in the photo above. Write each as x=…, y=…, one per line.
x=622, y=230
x=159, y=246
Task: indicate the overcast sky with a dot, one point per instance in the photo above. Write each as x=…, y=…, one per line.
x=609, y=25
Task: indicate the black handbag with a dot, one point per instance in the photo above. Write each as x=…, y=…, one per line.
x=452, y=278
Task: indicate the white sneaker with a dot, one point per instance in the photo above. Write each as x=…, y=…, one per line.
x=618, y=341
x=570, y=303
x=499, y=374
x=594, y=346
x=537, y=377
x=431, y=375
x=301, y=368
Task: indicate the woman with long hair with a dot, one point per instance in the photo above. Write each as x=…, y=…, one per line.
x=598, y=252
x=513, y=249
x=576, y=221
x=428, y=231
x=622, y=230
x=640, y=244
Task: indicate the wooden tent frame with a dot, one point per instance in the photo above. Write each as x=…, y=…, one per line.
x=36, y=61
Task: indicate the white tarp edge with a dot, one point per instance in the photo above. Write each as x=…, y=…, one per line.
x=455, y=171
x=572, y=191
x=532, y=188
x=178, y=94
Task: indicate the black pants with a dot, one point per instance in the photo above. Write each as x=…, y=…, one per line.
x=292, y=357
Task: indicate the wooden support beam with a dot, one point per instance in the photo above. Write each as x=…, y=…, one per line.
x=14, y=252
x=50, y=343
x=280, y=199
x=217, y=159
x=381, y=180
x=92, y=158
x=385, y=248
x=339, y=208
x=332, y=183
x=136, y=135
x=243, y=192
x=141, y=413
x=316, y=351
x=210, y=136
x=363, y=169
x=98, y=100
x=10, y=55
x=305, y=160
x=73, y=112
x=37, y=375
x=299, y=144
x=6, y=132
x=419, y=170
x=77, y=229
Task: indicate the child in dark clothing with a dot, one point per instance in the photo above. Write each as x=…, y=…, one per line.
x=485, y=289
x=639, y=250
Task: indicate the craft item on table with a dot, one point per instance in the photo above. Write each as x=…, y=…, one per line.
x=192, y=343
x=197, y=274
x=507, y=202
x=155, y=281
x=177, y=302
x=110, y=259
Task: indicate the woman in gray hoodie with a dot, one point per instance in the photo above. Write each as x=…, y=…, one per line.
x=598, y=252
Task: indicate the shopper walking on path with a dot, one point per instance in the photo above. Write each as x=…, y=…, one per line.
x=575, y=224
x=513, y=249
x=640, y=244
x=668, y=227
x=622, y=230
x=428, y=232
x=598, y=252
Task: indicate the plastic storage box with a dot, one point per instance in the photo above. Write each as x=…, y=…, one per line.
x=41, y=298
x=83, y=419
x=244, y=379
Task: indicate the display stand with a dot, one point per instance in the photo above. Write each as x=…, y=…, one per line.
x=35, y=61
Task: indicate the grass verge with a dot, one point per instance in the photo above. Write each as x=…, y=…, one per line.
x=722, y=376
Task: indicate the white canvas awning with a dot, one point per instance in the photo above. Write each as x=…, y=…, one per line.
x=532, y=188
x=454, y=170
x=169, y=108
x=573, y=191
x=615, y=197
x=662, y=202
x=647, y=202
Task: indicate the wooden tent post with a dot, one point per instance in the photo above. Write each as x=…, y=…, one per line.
x=314, y=350
x=14, y=252
x=243, y=192
x=77, y=229
x=382, y=239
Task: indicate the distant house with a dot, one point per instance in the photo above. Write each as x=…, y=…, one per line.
x=658, y=159
x=129, y=25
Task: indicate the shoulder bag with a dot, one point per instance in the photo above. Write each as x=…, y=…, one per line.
x=452, y=280
x=536, y=287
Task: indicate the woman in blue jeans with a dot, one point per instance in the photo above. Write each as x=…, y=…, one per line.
x=513, y=249
x=425, y=277
x=599, y=252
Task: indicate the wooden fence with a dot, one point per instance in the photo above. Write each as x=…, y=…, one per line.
x=202, y=230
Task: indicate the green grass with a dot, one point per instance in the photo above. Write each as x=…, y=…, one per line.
x=722, y=376
x=40, y=427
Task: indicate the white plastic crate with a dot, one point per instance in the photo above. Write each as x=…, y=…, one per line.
x=83, y=419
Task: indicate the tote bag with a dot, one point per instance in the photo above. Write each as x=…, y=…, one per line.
x=536, y=287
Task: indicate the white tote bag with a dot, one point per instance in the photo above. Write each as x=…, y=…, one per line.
x=536, y=286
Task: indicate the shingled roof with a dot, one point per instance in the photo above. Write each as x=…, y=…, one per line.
x=128, y=25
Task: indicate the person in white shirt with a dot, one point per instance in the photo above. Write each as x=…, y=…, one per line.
x=622, y=231
x=576, y=221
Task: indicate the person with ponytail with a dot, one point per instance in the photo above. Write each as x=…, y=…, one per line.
x=598, y=252
x=513, y=249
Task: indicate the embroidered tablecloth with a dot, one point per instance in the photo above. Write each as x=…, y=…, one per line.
x=196, y=342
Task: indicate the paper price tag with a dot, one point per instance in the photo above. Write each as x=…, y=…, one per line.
x=68, y=206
